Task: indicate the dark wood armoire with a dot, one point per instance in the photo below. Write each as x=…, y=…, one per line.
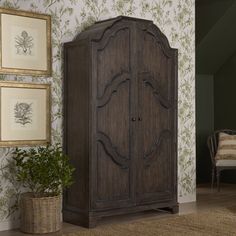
x=120, y=120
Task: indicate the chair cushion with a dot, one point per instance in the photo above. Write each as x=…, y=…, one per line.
x=226, y=163
x=226, y=147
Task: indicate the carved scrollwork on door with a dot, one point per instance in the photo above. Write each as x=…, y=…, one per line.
x=112, y=151
x=112, y=87
x=155, y=148
x=159, y=37
x=148, y=80
x=104, y=42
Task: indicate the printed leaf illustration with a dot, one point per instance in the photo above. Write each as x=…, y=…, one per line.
x=24, y=43
x=23, y=113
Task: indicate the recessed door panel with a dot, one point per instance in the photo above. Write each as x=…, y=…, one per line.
x=113, y=59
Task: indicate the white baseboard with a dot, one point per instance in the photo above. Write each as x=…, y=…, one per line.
x=10, y=224
x=189, y=198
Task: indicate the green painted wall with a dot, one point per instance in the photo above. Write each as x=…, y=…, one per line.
x=204, y=124
x=215, y=103
x=215, y=109
x=225, y=103
x=225, y=91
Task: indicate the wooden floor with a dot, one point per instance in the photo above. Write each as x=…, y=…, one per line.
x=206, y=199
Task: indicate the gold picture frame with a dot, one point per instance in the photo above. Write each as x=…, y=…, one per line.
x=25, y=114
x=25, y=43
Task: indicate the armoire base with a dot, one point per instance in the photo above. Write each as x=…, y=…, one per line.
x=90, y=219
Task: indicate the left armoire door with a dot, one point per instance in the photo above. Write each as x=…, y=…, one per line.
x=114, y=139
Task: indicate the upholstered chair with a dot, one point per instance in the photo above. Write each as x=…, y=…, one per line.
x=222, y=147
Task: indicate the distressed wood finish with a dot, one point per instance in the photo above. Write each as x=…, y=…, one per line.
x=120, y=120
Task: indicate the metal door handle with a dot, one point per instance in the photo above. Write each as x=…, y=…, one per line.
x=133, y=119
x=140, y=119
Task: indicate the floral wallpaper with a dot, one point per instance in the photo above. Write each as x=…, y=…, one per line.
x=176, y=18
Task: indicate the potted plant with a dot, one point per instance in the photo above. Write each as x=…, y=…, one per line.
x=45, y=171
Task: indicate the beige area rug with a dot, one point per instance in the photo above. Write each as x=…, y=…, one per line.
x=220, y=222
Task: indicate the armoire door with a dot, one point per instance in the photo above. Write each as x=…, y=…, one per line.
x=156, y=164
x=113, y=139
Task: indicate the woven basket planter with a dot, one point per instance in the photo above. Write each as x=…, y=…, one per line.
x=40, y=215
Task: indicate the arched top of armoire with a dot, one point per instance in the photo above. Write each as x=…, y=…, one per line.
x=106, y=28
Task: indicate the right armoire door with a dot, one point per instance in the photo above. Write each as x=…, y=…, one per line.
x=156, y=172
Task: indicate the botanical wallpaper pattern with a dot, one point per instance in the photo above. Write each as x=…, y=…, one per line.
x=176, y=18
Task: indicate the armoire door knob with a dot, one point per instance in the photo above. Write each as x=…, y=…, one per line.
x=140, y=119
x=133, y=119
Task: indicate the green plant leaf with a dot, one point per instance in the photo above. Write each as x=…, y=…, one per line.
x=46, y=171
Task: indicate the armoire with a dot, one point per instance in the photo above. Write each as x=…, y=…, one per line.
x=120, y=120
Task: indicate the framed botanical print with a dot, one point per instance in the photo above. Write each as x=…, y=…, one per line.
x=24, y=114
x=25, y=43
